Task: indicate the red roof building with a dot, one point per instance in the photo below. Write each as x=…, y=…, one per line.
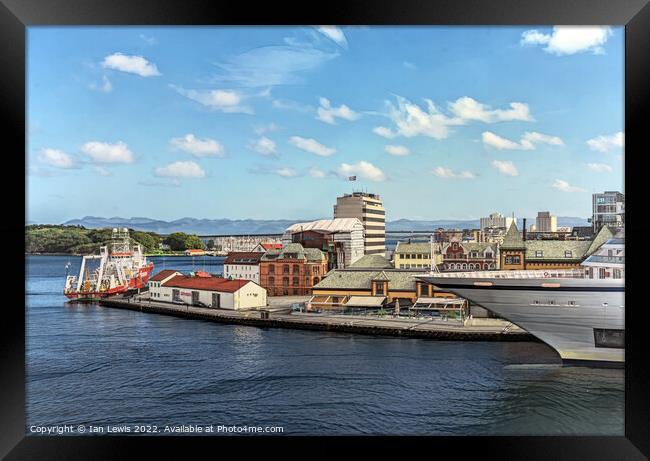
x=163, y=275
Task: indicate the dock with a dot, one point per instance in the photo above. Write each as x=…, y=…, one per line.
x=496, y=330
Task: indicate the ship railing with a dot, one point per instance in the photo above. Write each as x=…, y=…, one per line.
x=522, y=274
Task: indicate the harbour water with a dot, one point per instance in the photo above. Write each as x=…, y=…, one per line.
x=88, y=364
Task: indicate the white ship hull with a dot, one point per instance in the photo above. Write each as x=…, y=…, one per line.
x=567, y=314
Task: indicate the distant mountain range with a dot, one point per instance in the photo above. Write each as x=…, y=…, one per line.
x=274, y=226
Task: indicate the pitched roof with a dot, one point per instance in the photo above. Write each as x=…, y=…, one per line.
x=328, y=225
x=603, y=235
x=415, y=247
x=308, y=254
x=206, y=283
x=162, y=275
x=555, y=249
x=513, y=239
x=354, y=279
x=271, y=246
x=243, y=257
x=372, y=262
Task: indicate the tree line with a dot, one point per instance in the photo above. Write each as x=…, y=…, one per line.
x=46, y=238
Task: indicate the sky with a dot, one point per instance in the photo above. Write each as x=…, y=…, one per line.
x=270, y=122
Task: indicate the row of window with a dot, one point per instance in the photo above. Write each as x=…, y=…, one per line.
x=540, y=254
x=295, y=281
x=413, y=255
x=470, y=266
x=296, y=269
x=413, y=266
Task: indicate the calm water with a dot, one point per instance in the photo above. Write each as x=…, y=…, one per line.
x=92, y=365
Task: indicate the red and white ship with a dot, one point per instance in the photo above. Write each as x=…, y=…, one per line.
x=122, y=267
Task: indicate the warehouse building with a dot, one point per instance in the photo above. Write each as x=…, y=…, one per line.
x=204, y=290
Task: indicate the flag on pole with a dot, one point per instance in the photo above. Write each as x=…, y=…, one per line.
x=352, y=178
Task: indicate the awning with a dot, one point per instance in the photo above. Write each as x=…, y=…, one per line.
x=436, y=303
x=365, y=301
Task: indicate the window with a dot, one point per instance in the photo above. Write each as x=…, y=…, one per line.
x=296, y=281
x=296, y=269
x=539, y=253
x=285, y=281
x=271, y=269
x=408, y=256
x=513, y=259
x=489, y=255
x=614, y=339
x=617, y=274
x=568, y=254
x=315, y=270
x=401, y=266
x=271, y=281
x=571, y=303
x=285, y=269
x=473, y=254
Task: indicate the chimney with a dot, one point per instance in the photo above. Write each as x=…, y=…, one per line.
x=524, y=234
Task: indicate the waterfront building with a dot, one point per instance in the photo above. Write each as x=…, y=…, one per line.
x=243, y=265
x=368, y=209
x=194, y=252
x=469, y=256
x=224, y=244
x=519, y=254
x=608, y=209
x=341, y=238
x=545, y=222
x=292, y=270
x=496, y=220
x=416, y=255
x=204, y=290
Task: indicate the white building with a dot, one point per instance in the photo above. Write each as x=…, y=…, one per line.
x=204, y=290
x=545, y=222
x=341, y=238
x=496, y=220
x=368, y=209
x=243, y=265
x=608, y=209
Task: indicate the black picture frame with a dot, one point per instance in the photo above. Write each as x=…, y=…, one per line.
x=16, y=15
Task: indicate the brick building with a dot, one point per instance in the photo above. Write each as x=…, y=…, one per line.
x=469, y=256
x=292, y=270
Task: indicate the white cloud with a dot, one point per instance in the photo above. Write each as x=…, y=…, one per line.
x=149, y=40
x=105, y=86
x=264, y=146
x=397, y=150
x=288, y=104
x=198, y=147
x=268, y=128
x=286, y=172
x=101, y=171
x=409, y=65
x=505, y=167
x=131, y=64
x=443, y=172
x=227, y=101
x=607, y=143
x=528, y=141
x=363, y=169
x=565, y=186
x=312, y=146
x=268, y=66
x=467, y=108
x=104, y=152
x=599, y=167
x=327, y=113
x=57, y=158
x=412, y=120
x=384, y=132
x=335, y=34
x=567, y=40
x=187, y=169
x=315, y=172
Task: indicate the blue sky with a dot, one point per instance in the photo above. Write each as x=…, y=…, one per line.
x=268, y=122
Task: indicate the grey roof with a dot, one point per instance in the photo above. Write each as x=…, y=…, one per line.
x=603, y=235
x=372, y=262
x=361, y=279
x=308, y=254
x=554, y=249
x=415, y=247
x=512, y=239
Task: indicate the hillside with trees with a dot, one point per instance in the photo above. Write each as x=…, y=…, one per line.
x=63, y=239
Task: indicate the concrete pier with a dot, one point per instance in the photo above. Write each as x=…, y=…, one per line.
x=473, y=330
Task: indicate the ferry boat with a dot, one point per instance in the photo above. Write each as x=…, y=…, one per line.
x=578, y=312
x=122, y=267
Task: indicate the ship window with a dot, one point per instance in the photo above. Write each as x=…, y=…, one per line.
x=572, y=303
x=605, y=337
x=552, y=302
